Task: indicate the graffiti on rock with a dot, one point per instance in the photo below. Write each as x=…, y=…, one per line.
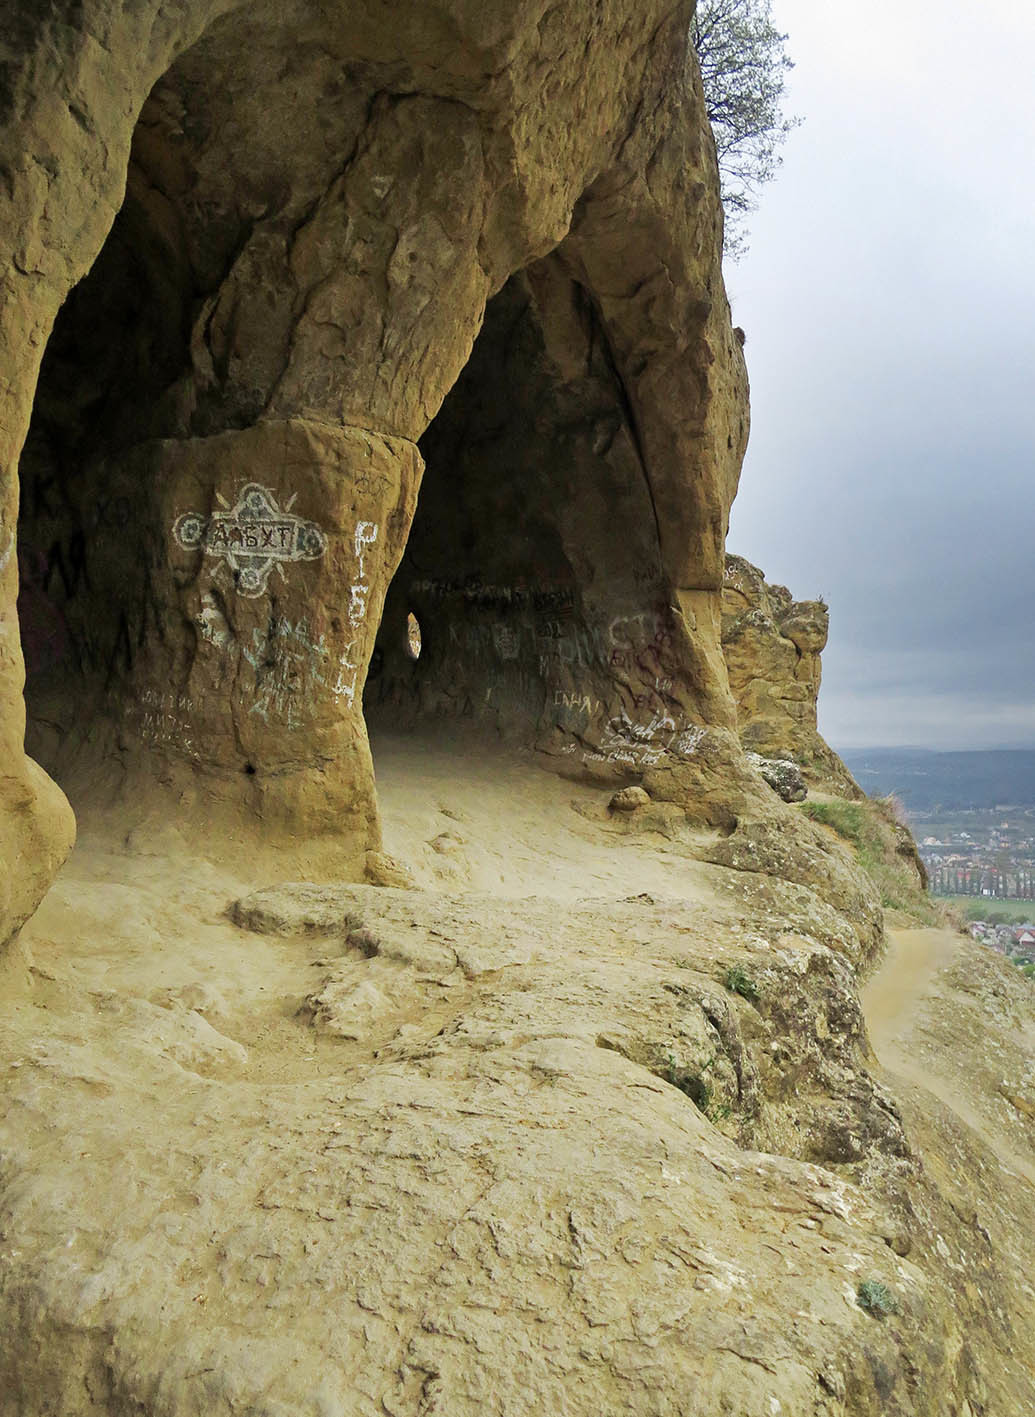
x=254, y=536
x=476, y=592
x=644, y=745
x=164, y=721
x=290, y=662
x=296, y=667
x=366, y=535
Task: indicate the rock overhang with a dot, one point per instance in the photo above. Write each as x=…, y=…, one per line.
x=306, y=239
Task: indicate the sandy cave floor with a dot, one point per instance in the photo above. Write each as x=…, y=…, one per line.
x=465, y=816
x=144, y=915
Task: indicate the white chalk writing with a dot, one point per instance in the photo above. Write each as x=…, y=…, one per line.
x=344, y=686
x=366, y=535
x=643, y=745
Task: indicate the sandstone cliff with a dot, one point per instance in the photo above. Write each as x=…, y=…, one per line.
x=772, y=645
x=288, y=228
x=460, y=1091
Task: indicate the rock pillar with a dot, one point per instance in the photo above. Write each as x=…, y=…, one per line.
x=256, y=576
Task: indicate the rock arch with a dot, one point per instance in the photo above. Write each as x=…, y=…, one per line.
x=317, y=211
x=535, y=563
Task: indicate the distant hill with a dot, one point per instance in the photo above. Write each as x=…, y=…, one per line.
x=927, y=780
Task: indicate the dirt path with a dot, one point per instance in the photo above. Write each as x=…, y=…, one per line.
x=908, y=979
x=891, y=997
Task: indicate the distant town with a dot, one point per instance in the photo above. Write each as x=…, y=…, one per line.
x=1016, y=942
x=985, y=861
x=982, y=852
x=971, y=841
x=973, y=816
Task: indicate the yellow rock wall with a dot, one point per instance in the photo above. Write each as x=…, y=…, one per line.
x=286, y=223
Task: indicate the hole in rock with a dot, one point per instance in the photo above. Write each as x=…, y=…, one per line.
x=413, y=636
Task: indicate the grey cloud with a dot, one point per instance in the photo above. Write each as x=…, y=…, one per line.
x=889, y=303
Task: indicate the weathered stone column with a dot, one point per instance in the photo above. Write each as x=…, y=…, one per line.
x=257, y=586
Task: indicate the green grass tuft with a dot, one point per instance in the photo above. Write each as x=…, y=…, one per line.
x=851, y=822
x=869, y=828
x=738, y=981
x=876, y=1298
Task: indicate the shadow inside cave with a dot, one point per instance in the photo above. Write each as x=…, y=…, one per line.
x=534, y=550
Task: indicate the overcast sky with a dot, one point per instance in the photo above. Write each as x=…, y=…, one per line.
x=889, y=302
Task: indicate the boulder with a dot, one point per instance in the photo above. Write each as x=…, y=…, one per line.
x=783, y=776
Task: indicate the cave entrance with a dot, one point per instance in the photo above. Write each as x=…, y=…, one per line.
x=256, y=352
x=118, y=344
x=533, y=567
x=531, y=596
x=530, y=599
x=204, y=525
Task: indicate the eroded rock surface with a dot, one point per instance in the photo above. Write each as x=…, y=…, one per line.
x=772, y=645
x=378, y=366
x=289, y=227
x=355, y=1149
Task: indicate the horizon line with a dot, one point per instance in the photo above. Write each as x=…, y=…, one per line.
x=920, y=748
